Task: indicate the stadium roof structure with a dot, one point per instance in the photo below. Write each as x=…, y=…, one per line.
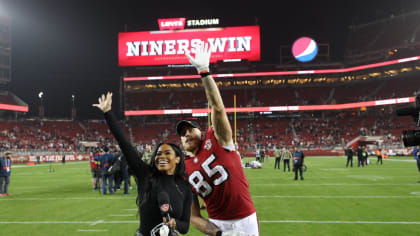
x=10, y=102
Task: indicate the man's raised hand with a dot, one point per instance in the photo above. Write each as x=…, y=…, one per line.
x=202, y=58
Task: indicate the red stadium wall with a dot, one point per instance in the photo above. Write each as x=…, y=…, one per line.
x=49, y=158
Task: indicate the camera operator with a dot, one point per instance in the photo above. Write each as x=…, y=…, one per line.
x=412, y=137
x=416, y=153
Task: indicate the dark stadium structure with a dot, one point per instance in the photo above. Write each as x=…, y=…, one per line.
x=10, y=105
x=382, y=62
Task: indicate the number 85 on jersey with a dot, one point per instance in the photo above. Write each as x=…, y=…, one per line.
x=198, y=181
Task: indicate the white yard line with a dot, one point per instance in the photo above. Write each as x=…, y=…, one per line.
x=92, y=230
x=123, y=215
x=263, y=196
x=71, y=222
x=338, y=184
x=342, y=222
x=400, y=160
x=97, y=222
x=64, y=198
x=261, y=221
x=320, y=196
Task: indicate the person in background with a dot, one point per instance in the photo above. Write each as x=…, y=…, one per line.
x=360, y=160
x=5, y=171
x=286, y=156
x=257, y=155
x=147, y=155
x=95, y=169
x=365, y=155
x=105, y=163
x=277, y=156
x=262, y=155
x=416, y=153
x=123, y=173
x=349, y=154
x=379, y=155
x=298, y=159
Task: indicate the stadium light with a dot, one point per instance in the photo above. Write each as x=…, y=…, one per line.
x=40, y=95
x=73, y=97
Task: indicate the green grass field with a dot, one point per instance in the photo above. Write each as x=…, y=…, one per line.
x=332, y=200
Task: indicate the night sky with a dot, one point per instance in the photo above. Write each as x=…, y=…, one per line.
x=70, y=47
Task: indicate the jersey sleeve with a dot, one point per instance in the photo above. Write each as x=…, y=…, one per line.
x=133, y=160
x=210, y=134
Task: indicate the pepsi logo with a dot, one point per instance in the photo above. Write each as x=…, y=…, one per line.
x=304, y=49
x=164, y=207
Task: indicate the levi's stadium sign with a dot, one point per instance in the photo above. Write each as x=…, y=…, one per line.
x=179, y=23
x=169, y=47
x=171, y=24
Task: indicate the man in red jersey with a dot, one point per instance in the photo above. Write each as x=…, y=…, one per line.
x=214, y=167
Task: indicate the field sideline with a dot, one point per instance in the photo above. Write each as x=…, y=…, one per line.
x=332, y=200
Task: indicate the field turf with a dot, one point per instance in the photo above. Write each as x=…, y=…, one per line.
x=332, y=200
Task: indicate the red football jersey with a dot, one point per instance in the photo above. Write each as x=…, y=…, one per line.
x=93, y=164
x=216, y=174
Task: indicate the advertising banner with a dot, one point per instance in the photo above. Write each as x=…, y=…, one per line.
x=169, y=47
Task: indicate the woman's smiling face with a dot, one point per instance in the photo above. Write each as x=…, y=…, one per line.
x=166, y=159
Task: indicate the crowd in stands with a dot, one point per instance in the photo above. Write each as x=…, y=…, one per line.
x=309, y=130
x=312, y=130
x=322, y=130
x=48, y=136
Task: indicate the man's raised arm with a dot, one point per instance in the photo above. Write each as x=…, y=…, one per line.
x=220, y=121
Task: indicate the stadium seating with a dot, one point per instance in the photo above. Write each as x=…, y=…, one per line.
x=324, y=129
x=279, y=96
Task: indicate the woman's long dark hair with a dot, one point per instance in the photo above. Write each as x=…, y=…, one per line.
x=153, y=179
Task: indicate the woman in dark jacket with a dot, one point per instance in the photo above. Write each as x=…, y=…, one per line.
x=166, y=174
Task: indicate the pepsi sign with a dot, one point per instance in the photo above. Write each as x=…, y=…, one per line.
x=305, y=49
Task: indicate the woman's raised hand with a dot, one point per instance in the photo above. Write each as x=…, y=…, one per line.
x=105, y=102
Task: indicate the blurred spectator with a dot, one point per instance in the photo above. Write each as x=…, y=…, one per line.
x=5, y=171
x=298, y=161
